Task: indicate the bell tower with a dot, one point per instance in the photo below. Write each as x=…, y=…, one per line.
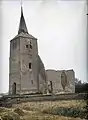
x=23, y=61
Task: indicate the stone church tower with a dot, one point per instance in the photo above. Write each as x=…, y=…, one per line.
x=27, y=73
x=25, y=64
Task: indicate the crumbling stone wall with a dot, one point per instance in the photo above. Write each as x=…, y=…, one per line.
x=59, y=84
x=42, y=76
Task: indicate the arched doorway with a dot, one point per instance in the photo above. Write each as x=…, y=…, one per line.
x=14, y=88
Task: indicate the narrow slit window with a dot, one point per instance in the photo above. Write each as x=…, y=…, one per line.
x=29, y=65
x=31, y=81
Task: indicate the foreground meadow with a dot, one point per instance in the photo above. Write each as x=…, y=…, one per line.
x=48, y=110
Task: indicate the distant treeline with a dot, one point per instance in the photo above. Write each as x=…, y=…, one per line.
x=80, y=88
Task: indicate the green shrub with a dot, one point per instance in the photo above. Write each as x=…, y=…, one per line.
x=69, y=112
x=19, y=111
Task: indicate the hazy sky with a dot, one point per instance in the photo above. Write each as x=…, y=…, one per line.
x=60, y=28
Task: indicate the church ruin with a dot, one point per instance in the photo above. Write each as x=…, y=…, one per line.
x=27, y=73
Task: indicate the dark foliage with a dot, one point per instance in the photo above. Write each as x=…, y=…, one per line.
x=69, y=112
x=80, y=88
x=19, y=111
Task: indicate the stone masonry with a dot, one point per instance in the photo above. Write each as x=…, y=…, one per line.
x=27, y=73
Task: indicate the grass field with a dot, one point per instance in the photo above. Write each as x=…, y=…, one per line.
x=49, y=110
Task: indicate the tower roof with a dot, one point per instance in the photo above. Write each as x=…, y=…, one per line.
x=22, y=25
x=23, y=32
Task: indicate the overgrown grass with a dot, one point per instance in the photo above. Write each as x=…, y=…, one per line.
x=49, y=110
x=10, y=116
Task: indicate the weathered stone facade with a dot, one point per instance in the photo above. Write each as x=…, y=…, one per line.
x=25, y=64
x=27, y=72
x=57, y=81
